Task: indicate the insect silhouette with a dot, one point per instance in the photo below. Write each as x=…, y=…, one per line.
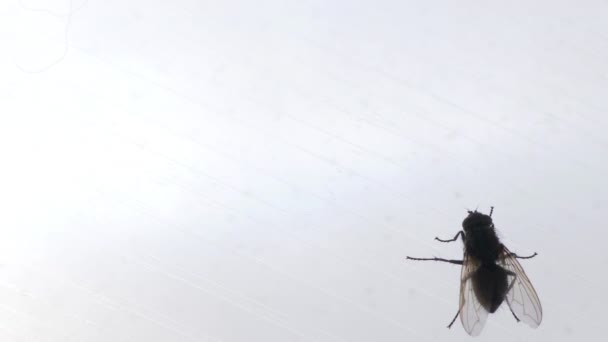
x=490, y=274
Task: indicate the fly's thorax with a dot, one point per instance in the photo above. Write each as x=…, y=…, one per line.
x=482, y=243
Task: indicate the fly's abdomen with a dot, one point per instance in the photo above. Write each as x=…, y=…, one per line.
x=490, y=285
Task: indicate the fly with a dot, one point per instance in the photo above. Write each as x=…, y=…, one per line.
x=489, y=276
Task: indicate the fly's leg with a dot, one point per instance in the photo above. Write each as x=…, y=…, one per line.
x=509, y=289
x=454, y=319
x=451, y=261
x=460, y=233
x=514, y=315
x=491, y=211
x=460, y=308
x=524, y=257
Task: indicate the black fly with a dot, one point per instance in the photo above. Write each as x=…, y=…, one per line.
x=490, y=275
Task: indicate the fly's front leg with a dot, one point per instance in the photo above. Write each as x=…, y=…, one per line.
x=451, y=261
x=460, y=233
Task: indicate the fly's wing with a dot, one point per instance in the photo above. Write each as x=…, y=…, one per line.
x=472, y=314
x=521, y=297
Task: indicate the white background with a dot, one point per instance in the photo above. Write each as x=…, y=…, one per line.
x=259, y=170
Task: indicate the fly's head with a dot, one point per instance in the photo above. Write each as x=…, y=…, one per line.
x=476, y=220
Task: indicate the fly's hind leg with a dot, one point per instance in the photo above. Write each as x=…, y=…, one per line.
x=514, y=315
x=509, y=289
x=454, y=319
x=460, y=308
